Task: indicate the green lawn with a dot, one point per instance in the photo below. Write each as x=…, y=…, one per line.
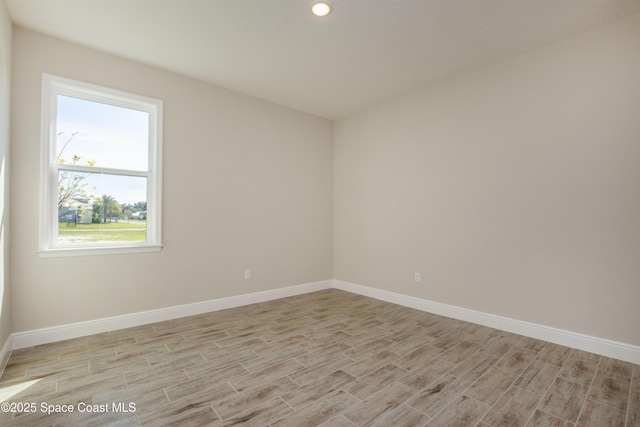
x=132, y=231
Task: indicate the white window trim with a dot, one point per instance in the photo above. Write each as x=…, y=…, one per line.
x=53, y=86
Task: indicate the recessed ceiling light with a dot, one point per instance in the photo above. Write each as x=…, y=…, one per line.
x=320, y=9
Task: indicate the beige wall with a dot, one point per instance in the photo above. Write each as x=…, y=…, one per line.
x=5, y=89
x=514, y=190
x=247, y=184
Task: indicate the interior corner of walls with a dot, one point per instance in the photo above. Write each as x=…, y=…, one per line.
x=617, y=350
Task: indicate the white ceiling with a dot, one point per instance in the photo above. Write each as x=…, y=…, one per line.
x=364, y=52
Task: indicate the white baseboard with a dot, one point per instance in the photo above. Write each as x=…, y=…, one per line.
x=617, y=350
x=5, y=352
x=604, y=347
x=80, y=329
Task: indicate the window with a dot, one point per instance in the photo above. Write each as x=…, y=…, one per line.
x=101, y=170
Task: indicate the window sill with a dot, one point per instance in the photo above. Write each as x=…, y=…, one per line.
x=50, y=253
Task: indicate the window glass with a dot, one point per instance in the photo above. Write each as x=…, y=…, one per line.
x=107, y=135
x=106, y=209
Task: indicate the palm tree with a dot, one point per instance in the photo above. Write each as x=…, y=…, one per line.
x=108, y=207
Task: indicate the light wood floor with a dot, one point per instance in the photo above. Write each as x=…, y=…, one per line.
x=326, y=358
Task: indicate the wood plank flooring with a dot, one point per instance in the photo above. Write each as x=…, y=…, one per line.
x=326, y=358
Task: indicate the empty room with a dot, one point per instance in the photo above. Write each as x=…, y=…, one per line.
x=303, y=213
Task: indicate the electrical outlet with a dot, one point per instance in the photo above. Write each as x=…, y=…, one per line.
x=416, y=277
x=247, y=274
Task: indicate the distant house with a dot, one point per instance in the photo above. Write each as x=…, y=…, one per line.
x=140, y=215
x=78, y=211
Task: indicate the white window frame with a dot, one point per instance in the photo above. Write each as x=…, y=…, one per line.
x=52, y=86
